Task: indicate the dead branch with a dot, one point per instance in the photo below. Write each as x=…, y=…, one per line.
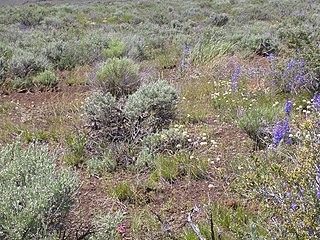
x=165, y=227
x=194, y=226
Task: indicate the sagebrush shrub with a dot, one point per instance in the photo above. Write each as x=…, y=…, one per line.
x=5, y=55
x=126, y=121
x=65, y=55
x=35, y=195
x=155, y=102
x=24, y=63
x=120, y=77
x=105, y=227
x=106, y=117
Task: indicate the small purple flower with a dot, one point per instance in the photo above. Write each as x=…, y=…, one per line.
x=121, y=229
x=235, y=78
x=318, y=193
x=288, y=194
x=294, y=206
x=288, y=108
x=316, y=102
x=186, y=50
x=271, y=57
x=292, y=64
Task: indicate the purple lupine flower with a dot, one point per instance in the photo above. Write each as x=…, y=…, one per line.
x=292, y=64
x=235, y=78
x=281, y=131
x=186, y=50
x=316, y=102
x=288, y=108
x=271, y=57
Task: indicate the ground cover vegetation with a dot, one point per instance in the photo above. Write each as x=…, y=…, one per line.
x=160, y=119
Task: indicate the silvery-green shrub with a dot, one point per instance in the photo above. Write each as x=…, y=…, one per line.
x=106, y=117
x=24, y=63
x=166, y=140
x=106, y=226
x=35, y=194
x=120, y=77
x=153, y=102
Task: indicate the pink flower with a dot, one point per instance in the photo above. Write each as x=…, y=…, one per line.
x=121, y=229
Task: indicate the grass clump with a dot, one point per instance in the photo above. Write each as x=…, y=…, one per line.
x=98, y=166
x=124, y=192
x=35, y=196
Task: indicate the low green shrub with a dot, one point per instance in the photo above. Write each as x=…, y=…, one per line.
x=120, y=77
x=35, y=195
x=218, y=20
x=46, y=79
x=116, y=49
x=167, y=140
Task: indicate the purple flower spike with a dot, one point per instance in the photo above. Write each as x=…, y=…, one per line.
x=288, y=108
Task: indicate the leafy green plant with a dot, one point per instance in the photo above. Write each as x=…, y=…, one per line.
x=115, y=49
x=46, y=79
x=119, y=77
x=35, y=195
